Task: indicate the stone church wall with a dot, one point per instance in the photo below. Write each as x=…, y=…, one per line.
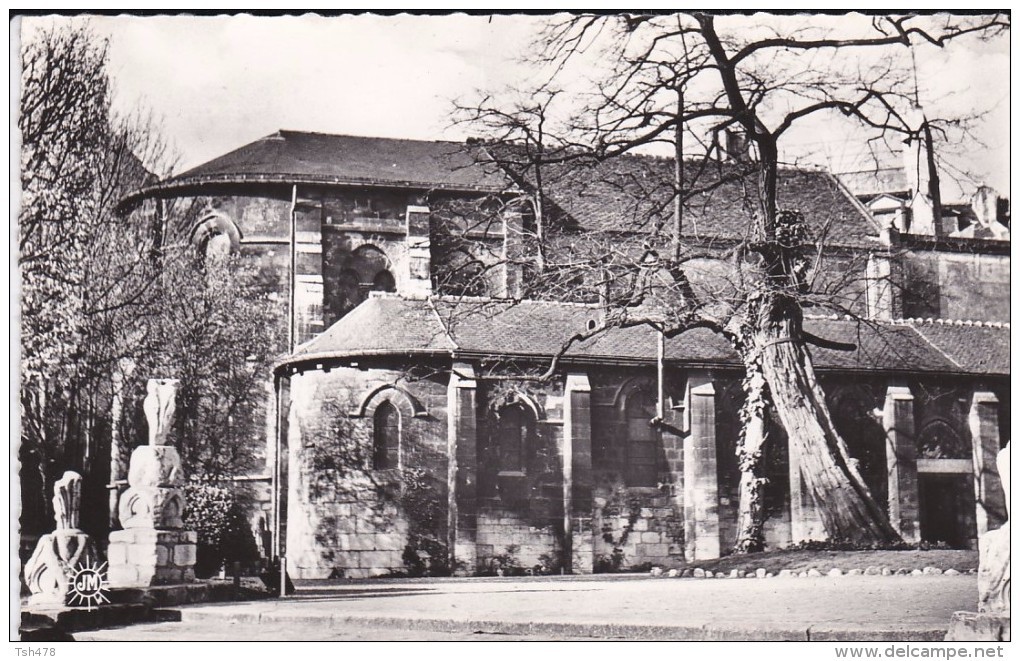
x=346, y=519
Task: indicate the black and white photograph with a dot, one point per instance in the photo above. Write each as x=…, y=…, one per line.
x=495, y=327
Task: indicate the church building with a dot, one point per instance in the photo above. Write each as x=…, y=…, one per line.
x=432, y=413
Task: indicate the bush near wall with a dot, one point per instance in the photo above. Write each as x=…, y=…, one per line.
x=217, y=514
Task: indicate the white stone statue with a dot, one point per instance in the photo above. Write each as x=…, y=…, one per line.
x=993, y=567
x=992, y=621
x=67, y=501
x=160, y=405
x=59, y=554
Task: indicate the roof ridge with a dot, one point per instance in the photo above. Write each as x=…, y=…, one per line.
x=936, y=347
x=442, y=324
x=854, y=202
x=912, y=321
x=280, y=132
x=509, y=302
x=931, y=321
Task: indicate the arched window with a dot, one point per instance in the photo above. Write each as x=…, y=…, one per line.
x=642, y=449
x=365, y=270
x=939, y=440
x=217, y=247
x=368, y=261
x=384, y=281
x=514, y=430
x=215, y=237
x=386, y=437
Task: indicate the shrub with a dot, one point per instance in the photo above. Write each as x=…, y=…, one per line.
x=609, y=564
x=224, y=534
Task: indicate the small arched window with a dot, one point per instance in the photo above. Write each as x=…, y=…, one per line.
x=214, y=238
x=514, y=430
x=939, y=440
x=386, y=437
x=384, y=281
x=217, y=247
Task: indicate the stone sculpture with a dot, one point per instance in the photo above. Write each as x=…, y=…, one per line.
x=153, y=548
x=993, y=565
x=991, y=622
x=160, y=405
x=61, y=553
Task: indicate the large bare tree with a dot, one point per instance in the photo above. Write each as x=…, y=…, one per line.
x=717, y=88
x=85, y=272
x=111, y=297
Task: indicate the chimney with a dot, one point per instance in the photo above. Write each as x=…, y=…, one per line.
x=985, y=205
x=922, y=178
x=733, y=145
x=419, y=253
x=736, y=145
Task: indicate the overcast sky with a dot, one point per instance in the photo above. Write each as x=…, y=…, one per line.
x=221, y=82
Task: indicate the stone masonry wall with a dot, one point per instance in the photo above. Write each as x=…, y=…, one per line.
x=520, y=515
x=956, y=286
x=345, y=518
x=632, y=525
x=509, y=541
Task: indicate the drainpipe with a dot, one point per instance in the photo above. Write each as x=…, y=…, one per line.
x=292, y=303
x=660, y=404
x=279, y=544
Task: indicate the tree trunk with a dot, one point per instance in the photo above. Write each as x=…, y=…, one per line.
x=750, y=457
x=848, y=511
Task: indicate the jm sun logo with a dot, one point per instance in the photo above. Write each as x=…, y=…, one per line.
x=87, y=587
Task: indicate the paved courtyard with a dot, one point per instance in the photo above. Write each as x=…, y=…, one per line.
x=822, y=608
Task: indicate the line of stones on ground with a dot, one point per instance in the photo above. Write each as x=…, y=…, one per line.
x=760, y=572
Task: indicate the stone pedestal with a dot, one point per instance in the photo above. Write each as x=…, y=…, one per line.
x=145, y=556
x=56, y=558
x=978, y=627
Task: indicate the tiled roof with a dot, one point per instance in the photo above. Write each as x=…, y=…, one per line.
x=627, y=192
x=318, y=157
x=634, y=192
x=976, y=349
x=390, y=325
x=381, y=325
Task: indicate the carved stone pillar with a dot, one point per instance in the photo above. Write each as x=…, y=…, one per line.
x=983, y=421
x=153, y=548
x=60, y=554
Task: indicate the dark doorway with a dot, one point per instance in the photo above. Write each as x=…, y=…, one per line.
x=947, y=509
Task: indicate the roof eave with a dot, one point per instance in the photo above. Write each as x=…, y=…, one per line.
x=196, y=185
x=303, y=362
